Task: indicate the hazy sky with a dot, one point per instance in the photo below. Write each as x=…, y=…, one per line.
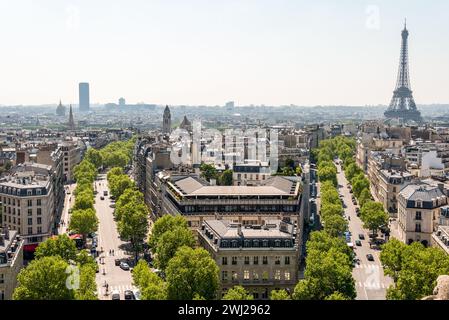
x=304, y=52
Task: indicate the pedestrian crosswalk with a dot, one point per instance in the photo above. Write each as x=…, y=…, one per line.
x=121, y=288
x=366, y=266
x=371, y=285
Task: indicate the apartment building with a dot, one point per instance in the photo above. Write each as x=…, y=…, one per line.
x=419, y=208
x=29, y=204
x=440, y=238
x=72, y=155
x=388, y=176
x=250, y=173
x=11, y=261
x=259, y=257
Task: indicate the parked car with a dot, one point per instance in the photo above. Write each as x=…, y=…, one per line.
x=370, y=257
x=136, y=293
x=129, y=295
x=117, y=262
x=358, y=243
x=115, y=295
x=361, y=236
x=124, y=266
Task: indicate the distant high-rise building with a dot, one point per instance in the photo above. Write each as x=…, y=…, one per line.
x=122, y=102
x=60, y=110
x=71, y=124
x=166, y=122
x=84, y=97
x=229, y=105
x=402, y=105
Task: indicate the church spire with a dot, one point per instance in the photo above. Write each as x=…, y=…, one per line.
x=71, y=120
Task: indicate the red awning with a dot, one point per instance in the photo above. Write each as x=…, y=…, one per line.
x=76, y=236
x=30, y=247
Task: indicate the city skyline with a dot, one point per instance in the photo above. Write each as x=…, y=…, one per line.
x=252, y=53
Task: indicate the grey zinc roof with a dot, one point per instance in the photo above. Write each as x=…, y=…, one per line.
x=188, y=185
x=224, y=229
x=423, y=192
x=275, y=186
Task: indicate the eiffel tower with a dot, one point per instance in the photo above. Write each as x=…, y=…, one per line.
x=402, y=105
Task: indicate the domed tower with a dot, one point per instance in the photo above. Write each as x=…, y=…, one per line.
x=61, y=110
x=166, y=122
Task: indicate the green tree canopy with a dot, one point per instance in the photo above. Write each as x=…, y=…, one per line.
x=373, y=216
x=87, y=285
x=336, y=296
x=225, y=179
x=164, y=224
x=129, y=196
x=364, y=197
x=237, y=293
x=335, y=225
x=94, y=156
x=359, y=183
x=133, y=225
x=118, y=185
x=151, y=286
x=208, y=171
x=83, y=201
x=279, y=295
x=61, y=246
x=170, y=242
x=414, y=268
x=44, y=279
x=190, y=272
x=84, y=222
x=116, y=171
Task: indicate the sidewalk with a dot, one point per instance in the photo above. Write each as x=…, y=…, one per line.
x=68, y=204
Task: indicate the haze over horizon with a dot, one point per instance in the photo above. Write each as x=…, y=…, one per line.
x=202, y=52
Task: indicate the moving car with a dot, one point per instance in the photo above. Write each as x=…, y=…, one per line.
x=124, y=266
x=361, y=236
x=101, y=198
x=370, y=257
x=358, y=243
x=105, y=193
x=117, y=262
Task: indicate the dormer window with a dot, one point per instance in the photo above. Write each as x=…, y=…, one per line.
x=29, y=192
x=418, y=203
x=38, y=192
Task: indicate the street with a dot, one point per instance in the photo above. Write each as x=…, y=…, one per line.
x=108, y=239
x=69, y=201
x=371, y=283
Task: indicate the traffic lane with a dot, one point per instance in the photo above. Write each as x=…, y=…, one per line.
x=109, y=239
x=370, y=280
